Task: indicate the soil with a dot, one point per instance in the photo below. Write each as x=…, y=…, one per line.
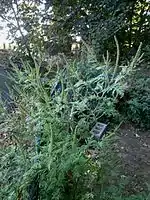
x=134, y=151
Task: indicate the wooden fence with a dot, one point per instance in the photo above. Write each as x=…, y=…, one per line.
x=6, y=46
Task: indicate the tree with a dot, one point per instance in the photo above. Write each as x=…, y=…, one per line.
x=53, y=25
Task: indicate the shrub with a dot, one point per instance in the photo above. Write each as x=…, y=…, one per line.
x=138, y=104
x=91, y=90
x=60, y=168
x=146, y=51
x=57, y=112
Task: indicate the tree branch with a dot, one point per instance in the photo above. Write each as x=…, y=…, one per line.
x=22, y=35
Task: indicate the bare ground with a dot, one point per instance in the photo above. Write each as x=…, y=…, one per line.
x=134, y=151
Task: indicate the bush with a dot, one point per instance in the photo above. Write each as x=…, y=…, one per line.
x=91, y=90
x=60, y=168
x=138, y=104
x=58, y=112
x=146, y=52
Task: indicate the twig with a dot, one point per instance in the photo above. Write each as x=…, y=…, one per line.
x=117, y=59
x=19, y=27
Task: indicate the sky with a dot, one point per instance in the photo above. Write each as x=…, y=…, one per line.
x=3, y=33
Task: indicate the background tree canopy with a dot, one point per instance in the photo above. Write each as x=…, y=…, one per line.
x=54, y=25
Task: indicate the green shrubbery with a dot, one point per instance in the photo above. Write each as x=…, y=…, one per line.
x=138, y=104
x=61, y=167
x=146, y=51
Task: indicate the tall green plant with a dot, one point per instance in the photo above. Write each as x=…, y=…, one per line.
x=91, y=90
x=61, y=168
x=61, y=164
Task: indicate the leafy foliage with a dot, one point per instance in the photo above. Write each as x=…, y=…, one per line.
x=59, y=100
x=138, y=105
x=146, y=51
x=61, y=167
x=52, y=26
x=91, y=90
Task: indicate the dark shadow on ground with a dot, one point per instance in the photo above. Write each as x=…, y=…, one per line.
x=134, y=151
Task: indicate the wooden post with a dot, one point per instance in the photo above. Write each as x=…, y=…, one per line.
x=4, y=46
